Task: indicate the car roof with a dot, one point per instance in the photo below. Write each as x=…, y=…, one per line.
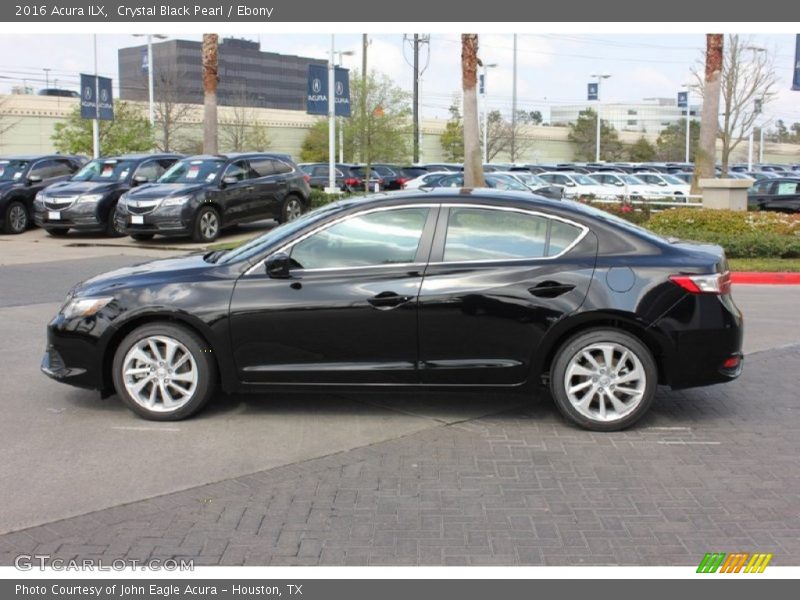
x=236, y=155
x=37, y=156
x=141, y=156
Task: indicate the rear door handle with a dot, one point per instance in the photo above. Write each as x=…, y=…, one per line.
x=388, y=300
x=550, y=289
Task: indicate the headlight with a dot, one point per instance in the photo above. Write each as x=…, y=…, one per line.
x=39, y=199
x=84, y=307
x=176, y=201
x=86, y=198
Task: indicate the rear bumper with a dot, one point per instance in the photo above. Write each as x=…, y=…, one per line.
x=705, y=334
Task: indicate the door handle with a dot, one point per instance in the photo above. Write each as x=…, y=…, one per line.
x=550, y=289
x=388, y=300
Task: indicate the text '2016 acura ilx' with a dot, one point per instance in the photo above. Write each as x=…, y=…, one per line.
x=438, y=289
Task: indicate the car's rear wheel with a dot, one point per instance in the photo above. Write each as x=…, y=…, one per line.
x=603, y=379
x=292, y=208
x=16, y=218
x=164, y=372
x=207, y=225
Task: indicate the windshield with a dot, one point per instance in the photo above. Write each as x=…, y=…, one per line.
x=257, y=245
x=671, y=179
x=583, y=180
x=12, y=170
x=631, y=180
x=105, y=170
x=192, y=171
x=503, y=182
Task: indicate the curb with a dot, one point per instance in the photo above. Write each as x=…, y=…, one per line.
x=758, y=278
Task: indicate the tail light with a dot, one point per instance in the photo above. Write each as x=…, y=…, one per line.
x=307, y=178
x=401, y=181
x=352, y=182
x=718, y=283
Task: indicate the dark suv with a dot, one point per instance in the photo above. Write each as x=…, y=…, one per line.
x=782, y=195
x=200, y=195
x=88, y=200
x=345, y=177
x=21, y=178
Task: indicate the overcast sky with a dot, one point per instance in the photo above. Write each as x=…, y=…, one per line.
x=552, y=68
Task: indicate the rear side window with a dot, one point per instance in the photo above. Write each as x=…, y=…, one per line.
x=786, y=188
x=281, y=167
x=261, y=167
x=487, y=234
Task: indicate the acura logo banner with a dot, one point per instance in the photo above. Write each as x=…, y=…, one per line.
x=317, y=97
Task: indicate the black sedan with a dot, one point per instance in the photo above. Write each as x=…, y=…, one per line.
x=780, y=195
x=437, y=289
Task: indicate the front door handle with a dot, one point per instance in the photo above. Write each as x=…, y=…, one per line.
x=550, y=289
x=388, y=300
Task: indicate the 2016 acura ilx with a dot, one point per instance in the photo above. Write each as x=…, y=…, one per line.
x=437, y=289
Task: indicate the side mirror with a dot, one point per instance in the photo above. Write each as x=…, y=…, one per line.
x=278, y=266
x=229, y=180
x=140, y=179
x=34, y=179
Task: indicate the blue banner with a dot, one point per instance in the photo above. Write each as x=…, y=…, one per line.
x=796, y=81
x=317, y=93
x=683, y=99
x=97, y=98
x=481, y=84
x=592, y=91
x=145, y=63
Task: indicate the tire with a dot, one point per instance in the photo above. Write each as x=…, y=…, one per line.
x=164, y=394
x=142, y=237
x=207, y=225
x=16, y=218
x=111, y=228
x=291, y=208
x=591, y=405
x=57, y=232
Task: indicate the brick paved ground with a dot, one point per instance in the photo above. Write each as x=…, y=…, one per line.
x=709, y=469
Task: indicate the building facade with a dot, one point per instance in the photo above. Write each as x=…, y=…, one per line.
x=247, y=76
x=652, y=115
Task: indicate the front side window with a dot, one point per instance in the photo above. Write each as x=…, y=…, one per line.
x=240, y=170
x=379, y=238
x=490, y=234
x=150, y=170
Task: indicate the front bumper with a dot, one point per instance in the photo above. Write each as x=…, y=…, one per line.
x=162, y=221
x=73, y=358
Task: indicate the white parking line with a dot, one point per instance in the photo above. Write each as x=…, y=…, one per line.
x=669, y=428
x=688, y=443
x=147, y=428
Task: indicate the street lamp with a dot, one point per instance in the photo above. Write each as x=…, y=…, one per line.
x=46, y=77
x=342, y=53
x=486, y=114
x=150, y=36
x=599, y=78
x=688, y=122
x=755, y=50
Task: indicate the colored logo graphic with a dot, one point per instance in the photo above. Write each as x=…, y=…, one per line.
x=737, y=562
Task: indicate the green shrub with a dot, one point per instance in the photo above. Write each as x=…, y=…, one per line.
x=688, y=222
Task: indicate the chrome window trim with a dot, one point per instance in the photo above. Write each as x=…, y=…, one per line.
x=584, y=232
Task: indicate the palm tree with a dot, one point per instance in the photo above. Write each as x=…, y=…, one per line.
x=210, y=80
x=705, y=158
x=473, y=167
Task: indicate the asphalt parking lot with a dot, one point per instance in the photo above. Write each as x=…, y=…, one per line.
x=389, y=478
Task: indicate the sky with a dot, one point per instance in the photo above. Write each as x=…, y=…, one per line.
x=552, y=69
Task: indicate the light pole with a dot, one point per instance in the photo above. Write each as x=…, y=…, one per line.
x=688, y=121
x=755, y=50
x=150, y=86
x=342, y=53
x=46, y=77
x=599, y=78
x=486, y=113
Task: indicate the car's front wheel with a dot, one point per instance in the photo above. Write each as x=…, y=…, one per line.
x=603, y=379
x=164, y=372
x=207, y=225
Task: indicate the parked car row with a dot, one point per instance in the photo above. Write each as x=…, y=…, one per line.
x=143, y=195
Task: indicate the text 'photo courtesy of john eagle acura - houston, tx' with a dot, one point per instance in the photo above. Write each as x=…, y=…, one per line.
x=433, y=289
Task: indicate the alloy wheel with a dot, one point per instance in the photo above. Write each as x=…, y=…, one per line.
x=160, y=373
x=209, y=225
x=18, y=218
x=293, y=209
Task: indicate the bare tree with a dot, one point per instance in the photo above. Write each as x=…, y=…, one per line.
x=709, y=120
x=473, y=169
x=210, y=81
x=748, y=82
x=502, y=134
x=242, y=131
x=171, y=113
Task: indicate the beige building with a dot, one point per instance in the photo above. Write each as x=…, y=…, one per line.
x=27, y=124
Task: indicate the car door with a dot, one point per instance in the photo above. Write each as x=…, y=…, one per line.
x=236, y=197
x=760, y=193
x=346, y=312
x=265, y=202
x=498, y=278
x=783, y=197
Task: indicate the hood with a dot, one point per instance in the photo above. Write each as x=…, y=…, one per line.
x=78, y=188
x=151, y=273
x=156, y=191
